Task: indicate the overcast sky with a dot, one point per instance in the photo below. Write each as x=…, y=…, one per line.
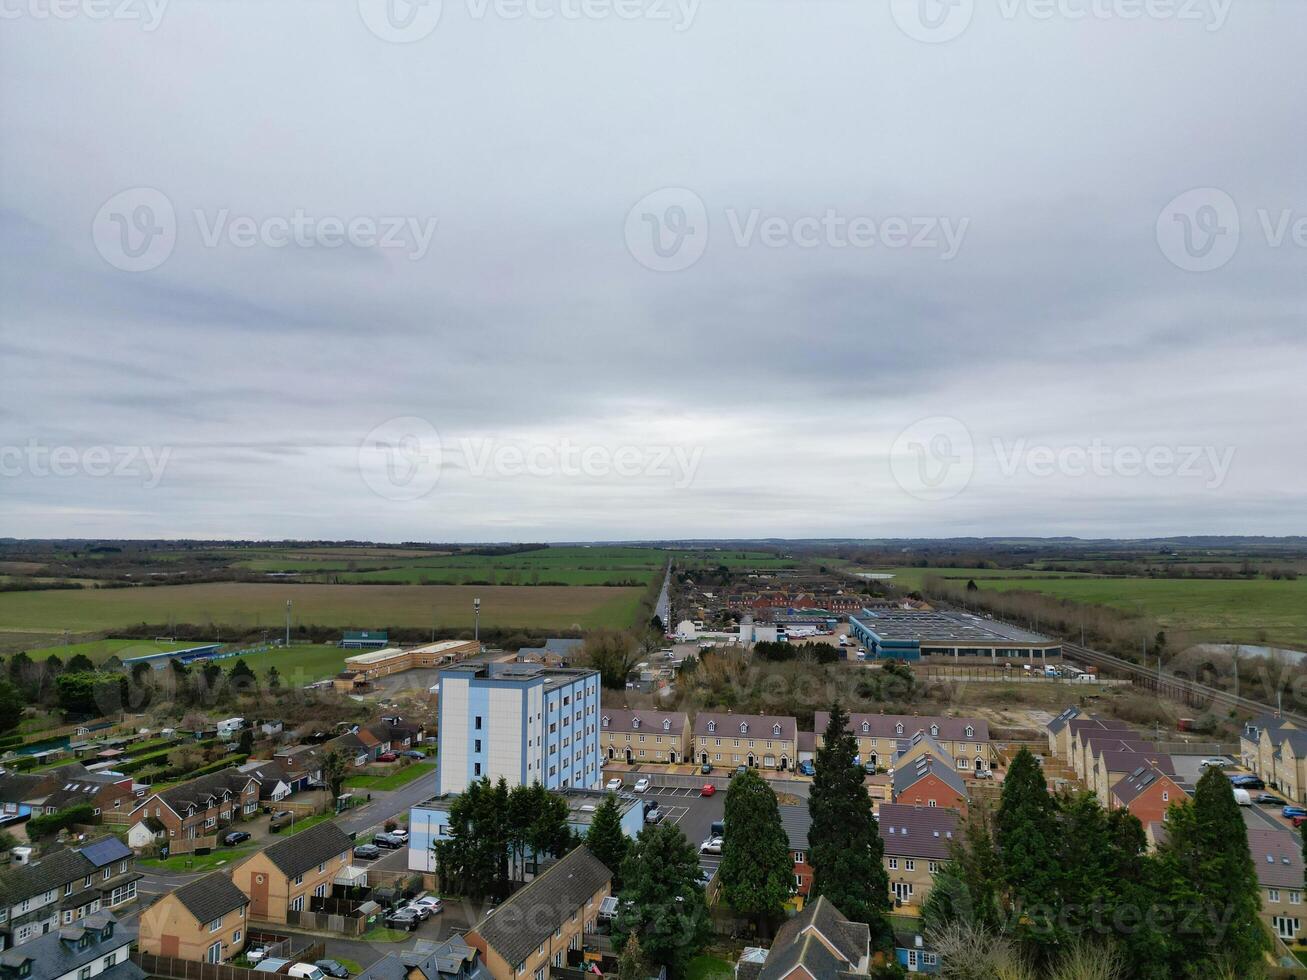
x=641, y=268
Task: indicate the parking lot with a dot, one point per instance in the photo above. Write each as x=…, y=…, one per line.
x=692, y=812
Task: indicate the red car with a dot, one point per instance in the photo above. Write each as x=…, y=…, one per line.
x=387, y=757
x=708, y=789
x=1299, y=821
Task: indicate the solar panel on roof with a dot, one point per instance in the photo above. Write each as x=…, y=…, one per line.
x=1137, y=773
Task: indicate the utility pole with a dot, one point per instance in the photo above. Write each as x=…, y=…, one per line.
x=288, y=623
x=476, y=620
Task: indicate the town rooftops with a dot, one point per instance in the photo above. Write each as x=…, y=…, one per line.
x=1059, y=722
x=561, y=647
x=1128, y=788
x=266, y=771
x=905, y=777
x=1128, y=760
x=745, y=726
x=820, y=941
x=532, y=914
x=1087, y=726
x=204, y=791
x=211, y=897
x=309, y=848
x=524, y=673
x=452, y=959
x=19, y=882
x=106, y=851
x=905, y=726
x=376, y=656
x=797, y=821
x=623, y=720
x=65, y=951
x=951, y=628
x=1277, y=856
x=917, y=831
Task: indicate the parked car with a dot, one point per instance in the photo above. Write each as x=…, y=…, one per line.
x=402, y=919
x=705, y=769
x=1299, y=821
x=413, y=754
x=1268, y=798
x=421, y=911
x=613, y=785
x=654, y=816
x=304, y=971
x=984, y=773
x=432, y=903
x=740, y=770
x=367, y=852
x=1247, y=781
x=705, y=876
x=1242, y=798
x=235, y=837
x=708, y=789
x=282, y=818
x=387, y=757
x=1291, y=811
x=332, y=969
x=642, y=784
x=400, y=834
x=1214, y=763
x=806, y=768
x=388, y=841
x=713, y=845
x=869, y=768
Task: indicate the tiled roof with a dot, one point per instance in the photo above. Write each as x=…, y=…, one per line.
x=268, y=771
x=60, y=953
x=197, y=792
x=211, y=897
x=524, y=921
x=19, y=787
x=452, y=959
x=1086, y=726
x=320, y=843
x=887, y=726
x=1128, y=760
x=807, y=741
x=22, y=881
x=1277, y=856
x=917, y=831
x=1060, y=722
x=905, y=777
x=623, y=720
x=796, y=820
x=798, y=943
x=758, y=726
x=1128, y=788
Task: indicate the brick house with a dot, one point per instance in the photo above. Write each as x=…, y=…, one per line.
x=204, y=920
x=797, y=820
x=282, y=880
x=63, y=888
x=817, y=944
x=916, y=840
x=1147, y=793
x=644, y=736
x=536, y=927
x=765, y=741
x=198, y=808
x=1110, y=767
x=928, y=782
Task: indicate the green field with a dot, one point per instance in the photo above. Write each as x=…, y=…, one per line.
x=393, y=780
x=257, y=605
x=101, y=650
x=1206, y=610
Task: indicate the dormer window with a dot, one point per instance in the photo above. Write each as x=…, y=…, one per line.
x=667, y=724
x=934, y=730
x=866, y=727
x=970, y=731
x=108, y=931
x=775, y=729
x=25, y=968
x=712, y=726
x=605, y=721
x=635, y=722
x=898, y=729
x=744, y=728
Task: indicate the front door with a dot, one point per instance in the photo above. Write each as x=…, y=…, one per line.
x=902, y=891
x=259, y=896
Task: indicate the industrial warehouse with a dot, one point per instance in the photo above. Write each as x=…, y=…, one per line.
x=902, y=634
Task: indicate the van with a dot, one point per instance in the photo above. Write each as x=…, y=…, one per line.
x=1242, y=798
x=305, y=971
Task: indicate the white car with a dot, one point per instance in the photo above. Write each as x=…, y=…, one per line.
x=642, y=784
x=713, y=845
x=613, y=785
x=429, y=902
x=1214, y=763
x=400, y=833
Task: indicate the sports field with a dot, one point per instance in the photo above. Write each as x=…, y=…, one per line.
x=1207, y=610
x=340, y=606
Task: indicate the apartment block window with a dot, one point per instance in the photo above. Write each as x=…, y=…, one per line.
x=476, y=745
x=476, y=769
x=477, y=723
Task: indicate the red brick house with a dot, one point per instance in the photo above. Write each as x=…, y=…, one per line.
x=796, y=820
x=198, y=808
x=928, y=782
x=1147, y=793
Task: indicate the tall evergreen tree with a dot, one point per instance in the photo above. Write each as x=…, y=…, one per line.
x=1024, y=837
x=606, y=839
x=845, y=848
x=662, y=900
x=756, y=872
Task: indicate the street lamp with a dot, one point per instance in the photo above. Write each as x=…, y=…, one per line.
x=476, y=620
x=287, y=622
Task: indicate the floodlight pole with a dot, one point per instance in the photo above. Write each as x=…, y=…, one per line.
x=288, y=623
x=476, y=620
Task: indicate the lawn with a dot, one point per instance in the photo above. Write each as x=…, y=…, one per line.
x=305, y=824
x=341, y=606
x=200, y=862
x=382, y=935
x=393, y=780
x=709, y=968
x=101, y=650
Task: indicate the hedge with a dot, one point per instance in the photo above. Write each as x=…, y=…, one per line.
x=49, y=824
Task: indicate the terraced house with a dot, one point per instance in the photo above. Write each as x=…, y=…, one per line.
x=204, y=920
x=756, y=741
x=644, y=736
x=882, y=739
x=191, y=813
x=917, y=841
x=282, y=880
x=63, y=888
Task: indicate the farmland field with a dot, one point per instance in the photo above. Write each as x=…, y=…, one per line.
x=247, y=605
x=1206, y=610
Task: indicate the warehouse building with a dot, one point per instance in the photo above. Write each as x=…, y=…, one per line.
x=905, y=634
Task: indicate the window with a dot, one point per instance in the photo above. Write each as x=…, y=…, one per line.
x=1166, y=796
x=214, y=953
x=108, y=873
x=216, y=924
x=84, y=973
x=932, y=867
x=476, y=769
x=1295, y=898
x=893, y=864
x=299, y=879
x=478, y=723
x=540, y=974
x=322, y=867
x=1273, y=894
x=799, y=857
x=909, y=864
x=930, y=959
x=236, y=936
x=297, y=905
x=68, y=916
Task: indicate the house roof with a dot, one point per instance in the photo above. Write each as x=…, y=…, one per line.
x=758, y=726
x=105, y=851
x=1060, y=721
x=318, y=844
x=211, y=897
x=198, y=791
x=268, y=771
x=1128, y=760
x=19, y=882
x=623, y=720
x=807, y=742
x=19, y=787
x=932, y=747
x=796, y=820
x=905, y=777
x=59, y=953
x=798, y=943
x=1277, y=856
x=436, y=961
x=524, y=921
x=917, y=831
x=1128, y=788
x=887, y=726
x=1086, y=726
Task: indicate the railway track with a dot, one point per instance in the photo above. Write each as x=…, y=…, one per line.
x=1180, y=688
